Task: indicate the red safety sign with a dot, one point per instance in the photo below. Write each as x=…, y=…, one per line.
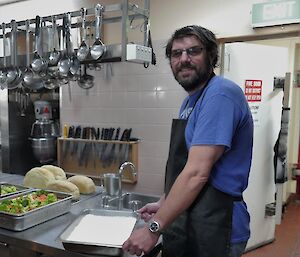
x=253, y=90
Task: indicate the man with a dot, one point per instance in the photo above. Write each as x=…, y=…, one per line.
x=202, y=213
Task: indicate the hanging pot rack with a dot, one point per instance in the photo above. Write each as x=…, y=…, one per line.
x=126, y=13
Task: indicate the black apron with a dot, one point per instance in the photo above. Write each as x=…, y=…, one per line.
x=204, y=229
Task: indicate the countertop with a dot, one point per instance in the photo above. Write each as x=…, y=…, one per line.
x=44, y=238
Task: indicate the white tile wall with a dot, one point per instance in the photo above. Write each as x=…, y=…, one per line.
x=131, y=96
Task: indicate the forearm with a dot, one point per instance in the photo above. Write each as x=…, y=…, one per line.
x=162, y=199
x=183, y=193
x=189, y=183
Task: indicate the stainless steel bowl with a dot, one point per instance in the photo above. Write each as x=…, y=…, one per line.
x=44, y=129
x=44, y=149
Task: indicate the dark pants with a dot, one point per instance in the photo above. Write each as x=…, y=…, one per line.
x=236, y=250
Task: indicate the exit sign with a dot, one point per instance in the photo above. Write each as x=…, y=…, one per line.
x=275, y=13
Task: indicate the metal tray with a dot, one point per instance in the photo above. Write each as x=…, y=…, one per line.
x=19, y=188
x=20, y=222
x=93, y=248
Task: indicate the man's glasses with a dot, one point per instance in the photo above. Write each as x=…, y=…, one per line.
x=191, y=52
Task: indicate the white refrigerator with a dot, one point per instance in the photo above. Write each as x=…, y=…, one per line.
x=253, y=67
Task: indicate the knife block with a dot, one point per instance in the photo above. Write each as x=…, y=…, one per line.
x=94, y=158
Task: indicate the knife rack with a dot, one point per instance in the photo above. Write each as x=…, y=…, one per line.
x=94, y=158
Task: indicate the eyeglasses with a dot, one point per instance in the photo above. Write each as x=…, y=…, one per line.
x=191, y=52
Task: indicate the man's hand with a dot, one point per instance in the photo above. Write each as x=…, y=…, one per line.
x=141, y=241
x=148, y=210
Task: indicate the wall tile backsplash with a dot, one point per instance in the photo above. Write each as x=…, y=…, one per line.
x=128, y=95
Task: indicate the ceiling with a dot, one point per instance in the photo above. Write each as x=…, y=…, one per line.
x=6, y=2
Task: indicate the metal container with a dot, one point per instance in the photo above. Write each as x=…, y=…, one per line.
x=44, y=149
x=44, y=128
x=92, y=248
x=19, y=188
x=20, y=222
x=111, y=183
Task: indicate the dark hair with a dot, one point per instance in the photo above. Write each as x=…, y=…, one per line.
x=206, y=37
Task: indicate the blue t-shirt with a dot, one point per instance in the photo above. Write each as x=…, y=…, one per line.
x=222, y=116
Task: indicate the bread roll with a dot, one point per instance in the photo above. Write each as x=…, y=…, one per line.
x=38, y=178
x=64, y=186
x=58, y=172
x=85, y=184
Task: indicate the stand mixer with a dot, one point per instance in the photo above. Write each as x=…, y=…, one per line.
x=44, y=133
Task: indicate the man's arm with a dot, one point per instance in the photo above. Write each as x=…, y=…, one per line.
x=189, y=183
x=184, y=191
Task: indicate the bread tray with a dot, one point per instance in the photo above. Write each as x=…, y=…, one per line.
x=88, y=247
x=19, y=188
x=20, y=222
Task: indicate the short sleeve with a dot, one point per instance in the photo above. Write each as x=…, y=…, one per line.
x=215, y=121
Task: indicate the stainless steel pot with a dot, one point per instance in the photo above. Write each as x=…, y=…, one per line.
x=44, y=149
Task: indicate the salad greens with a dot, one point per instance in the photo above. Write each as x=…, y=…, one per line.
x=8, y=189
x=27, y=202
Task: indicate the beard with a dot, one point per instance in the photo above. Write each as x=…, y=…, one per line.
x=197, y=77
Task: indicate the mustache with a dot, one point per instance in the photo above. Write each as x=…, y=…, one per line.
x=186, y=66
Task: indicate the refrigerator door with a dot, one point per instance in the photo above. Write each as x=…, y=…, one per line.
x=253, y=67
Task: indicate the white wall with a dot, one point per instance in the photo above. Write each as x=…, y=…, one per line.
x=145, y=100
x=230, y=19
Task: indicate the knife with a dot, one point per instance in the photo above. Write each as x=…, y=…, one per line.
x=88, y=146
x=127, y=146
x=76, y=135
x=121, y=146
x=66, y=143
x=107, y=148
x=112, y=154
x=81, y=147
x=105, y=137
x=94, y=144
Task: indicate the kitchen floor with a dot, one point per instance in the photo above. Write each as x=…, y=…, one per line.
x=287, y=236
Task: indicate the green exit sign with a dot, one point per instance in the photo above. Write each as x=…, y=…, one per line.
x=275, y=13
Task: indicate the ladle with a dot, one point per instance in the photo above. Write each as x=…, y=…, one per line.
x=98, y=49
x=3, y=71
x=74, y=62
x=51, y=81
x=83, y=50
x=85, y=81
x=14, y=74
x=64, y=63
x=38, y=64
x=75, y=65
x=54, y=55
x=31, y=80
x=62, y=80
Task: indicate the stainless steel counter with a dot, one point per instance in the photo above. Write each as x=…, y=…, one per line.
x=43, y=238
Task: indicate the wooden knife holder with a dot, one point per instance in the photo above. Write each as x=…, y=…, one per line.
x=94, y=158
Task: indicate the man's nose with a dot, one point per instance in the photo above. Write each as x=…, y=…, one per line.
x=184, y=57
